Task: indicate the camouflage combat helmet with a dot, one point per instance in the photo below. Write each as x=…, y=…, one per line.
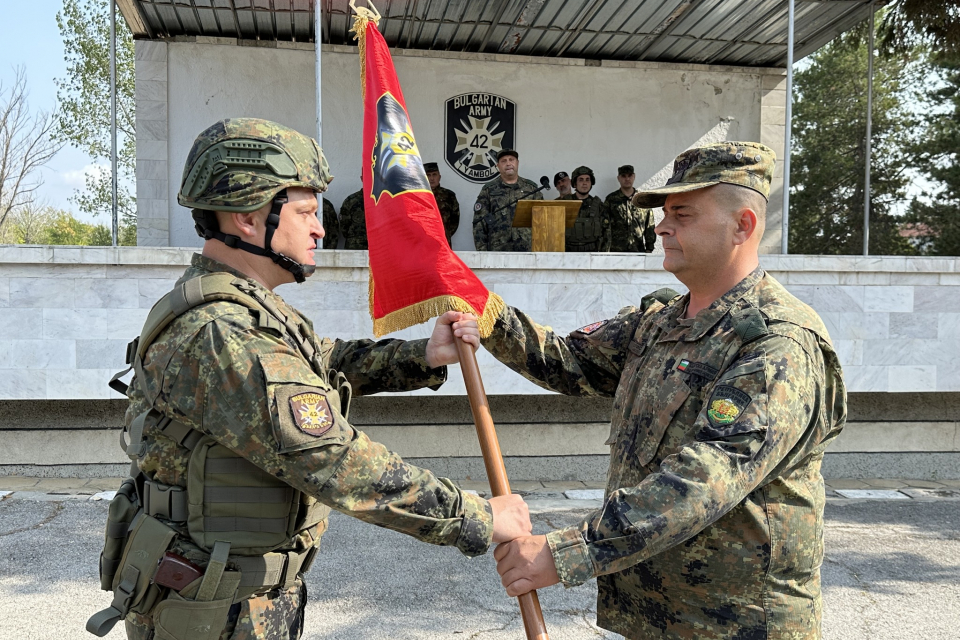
x=583, y=171
x=242, y=164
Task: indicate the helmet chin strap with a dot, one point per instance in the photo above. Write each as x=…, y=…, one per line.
x=300, y=271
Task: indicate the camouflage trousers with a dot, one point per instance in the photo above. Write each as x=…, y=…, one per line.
x=277, y=615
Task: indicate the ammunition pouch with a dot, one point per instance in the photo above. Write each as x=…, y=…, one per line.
x=123, y=509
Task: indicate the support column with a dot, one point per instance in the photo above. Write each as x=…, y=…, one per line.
x=153, y=199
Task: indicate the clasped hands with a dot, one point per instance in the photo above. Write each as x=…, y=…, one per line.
x=524, y=561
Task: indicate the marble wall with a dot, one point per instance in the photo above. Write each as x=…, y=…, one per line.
x=68, y=312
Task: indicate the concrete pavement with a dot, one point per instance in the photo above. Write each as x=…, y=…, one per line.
x=892, y=570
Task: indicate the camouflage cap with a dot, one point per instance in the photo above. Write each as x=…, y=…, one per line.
x=625, y=170
x=746, y=164
x=507, y=152
x=240, y=164
x=430, y=166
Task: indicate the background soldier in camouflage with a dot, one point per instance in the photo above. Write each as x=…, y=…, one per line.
x=331, y=226
x=242, y=378
x=724, y=402
x=590, y=232
x=446, y=200
x=561, y=182
x=353, y=222
x=631, y=227
x=492, y=230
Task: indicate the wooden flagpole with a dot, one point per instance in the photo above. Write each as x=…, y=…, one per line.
x=533, y=623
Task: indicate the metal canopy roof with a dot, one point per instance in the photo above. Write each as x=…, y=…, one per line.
x=728, y=32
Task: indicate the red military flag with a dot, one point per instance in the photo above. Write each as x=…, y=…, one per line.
x=414, y=275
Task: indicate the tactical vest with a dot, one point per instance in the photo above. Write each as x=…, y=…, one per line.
x=244, y=517
x=586, y=232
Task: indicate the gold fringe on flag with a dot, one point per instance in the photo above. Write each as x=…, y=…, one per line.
x=359, y=30
x=420, y=312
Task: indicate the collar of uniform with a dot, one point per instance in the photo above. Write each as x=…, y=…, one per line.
x=707, y=318
x=202, y=263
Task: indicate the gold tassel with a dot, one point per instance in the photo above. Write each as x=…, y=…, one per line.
x=422, y=311
x=359, y=30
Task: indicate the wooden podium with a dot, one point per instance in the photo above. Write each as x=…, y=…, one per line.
x=549, y=219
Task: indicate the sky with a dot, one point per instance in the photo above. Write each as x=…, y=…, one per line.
x=33, y=41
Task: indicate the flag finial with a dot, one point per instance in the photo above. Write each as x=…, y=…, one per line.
x=360, y=21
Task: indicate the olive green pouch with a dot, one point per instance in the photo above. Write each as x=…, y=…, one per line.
x=199, y=611
x=133, y=589
x=123, y=508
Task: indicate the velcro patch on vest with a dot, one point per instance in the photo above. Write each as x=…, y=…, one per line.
x=701, y=369
x=311, y=413
x=590, y=328
x=726, y=405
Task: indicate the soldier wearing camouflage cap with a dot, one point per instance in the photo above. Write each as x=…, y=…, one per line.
x=238, y=419
x=331, y=226
x=446, y=199
x=353, y=222
x=724, y=401
x=631, y=227
x=591, y=231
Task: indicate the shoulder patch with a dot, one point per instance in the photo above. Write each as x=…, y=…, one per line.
x=311, y=413
x=590, y=328
x=726, y=405
x=477, y=207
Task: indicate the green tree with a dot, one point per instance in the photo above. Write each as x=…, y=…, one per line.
x=828, y=159
x=933, y=22
x=936, y=218
x=84, y=104
x=47, y=225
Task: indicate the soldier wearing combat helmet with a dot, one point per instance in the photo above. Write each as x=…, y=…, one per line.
x=590, y=232
x=725, y=400
x=238, y=419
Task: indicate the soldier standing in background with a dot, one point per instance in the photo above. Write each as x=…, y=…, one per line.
x=496, y=205
x=446, y=200
x=725, y=400
x=591, y=232
x=331, y=225
x=561, y=182
x=238, y=418
x=631, y=227
x=353, y=222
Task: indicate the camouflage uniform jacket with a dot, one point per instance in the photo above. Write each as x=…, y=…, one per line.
x=631, y=228
x=493, y=231
x=449, y=210
x=591, y=231
x=353, y=222
x=331, y=226
x=209, y=367
x=712, y=525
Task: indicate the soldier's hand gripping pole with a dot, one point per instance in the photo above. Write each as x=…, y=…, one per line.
x=533, y=623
